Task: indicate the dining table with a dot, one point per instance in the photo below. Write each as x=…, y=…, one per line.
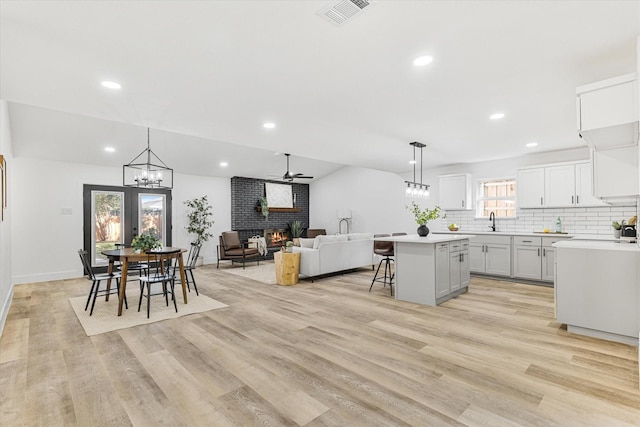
x=128, y=255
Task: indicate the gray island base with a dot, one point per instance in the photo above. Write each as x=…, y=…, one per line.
x=432, y=269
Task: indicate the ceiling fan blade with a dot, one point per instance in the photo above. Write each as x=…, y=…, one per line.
x=288, y=176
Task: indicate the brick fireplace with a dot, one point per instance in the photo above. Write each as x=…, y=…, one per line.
x=276, y=237
x=249, y=222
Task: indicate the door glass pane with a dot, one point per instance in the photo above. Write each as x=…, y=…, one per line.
x=151, y=213
x=107, y=226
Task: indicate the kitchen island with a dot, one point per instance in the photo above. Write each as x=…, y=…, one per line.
x=432, y=269
x=597, y=288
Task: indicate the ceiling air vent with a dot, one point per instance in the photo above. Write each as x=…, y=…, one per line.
x=340, y=12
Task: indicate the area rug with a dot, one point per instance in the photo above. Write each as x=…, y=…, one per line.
x=105, y=314
x=265, y=272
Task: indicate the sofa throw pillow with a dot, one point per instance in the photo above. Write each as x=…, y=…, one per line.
x=306, y=243
x=322, y=239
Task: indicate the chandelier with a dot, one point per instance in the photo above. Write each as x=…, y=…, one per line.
x=417, y=189
x=147, y=175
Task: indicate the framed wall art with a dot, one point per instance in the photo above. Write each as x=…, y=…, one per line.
x=279, y=195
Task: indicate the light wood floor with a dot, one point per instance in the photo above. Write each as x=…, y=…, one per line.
x=317, y=354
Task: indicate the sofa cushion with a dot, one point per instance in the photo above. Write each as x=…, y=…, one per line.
x=359, y=236
x=306, y=243
x=323, y=239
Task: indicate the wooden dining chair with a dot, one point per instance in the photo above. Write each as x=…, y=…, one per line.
x=96, y=279
x=134, y=268
x=161, y=270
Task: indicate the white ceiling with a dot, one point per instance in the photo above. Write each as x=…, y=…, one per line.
x=205, y=75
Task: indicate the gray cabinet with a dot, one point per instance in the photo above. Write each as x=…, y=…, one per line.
x=459, y=274
x=443, y=286
x=527, y=258
x=548, y=264
x=423, y=270
x=490, y=255
x=534, y=257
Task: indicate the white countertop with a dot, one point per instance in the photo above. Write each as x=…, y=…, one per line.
x=508, y=233
x=619, y=245
x=430, y=239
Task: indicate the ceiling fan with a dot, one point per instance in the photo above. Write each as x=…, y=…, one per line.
x=288, y=176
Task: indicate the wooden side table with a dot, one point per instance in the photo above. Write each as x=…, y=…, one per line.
x=287, y=267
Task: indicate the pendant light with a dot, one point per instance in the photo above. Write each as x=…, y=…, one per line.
x=415, y=189
x=147, y=175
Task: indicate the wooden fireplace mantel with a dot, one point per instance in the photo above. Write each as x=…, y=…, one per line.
x=259, y=209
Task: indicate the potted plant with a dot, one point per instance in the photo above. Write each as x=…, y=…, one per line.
x=617, y=228
x=296, y=231
x=264, y=207
x=289, y=246
x=422, y=216
x=146, y=241
x=198, y=215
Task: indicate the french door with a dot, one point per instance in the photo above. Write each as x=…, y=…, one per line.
x=117, y=214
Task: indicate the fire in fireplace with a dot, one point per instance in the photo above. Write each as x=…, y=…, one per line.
x=276, y=236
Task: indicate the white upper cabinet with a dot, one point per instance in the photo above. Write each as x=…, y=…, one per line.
x=530, y=188
x=455, y=192
x=607, y=112
x=559, y=185
x=562, y=185
x=616, y=172
x=584, y=186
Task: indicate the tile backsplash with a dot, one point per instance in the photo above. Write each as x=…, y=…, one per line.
x=596, y=220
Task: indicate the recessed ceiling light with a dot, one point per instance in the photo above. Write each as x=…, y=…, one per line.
x=412, y=162
x=496, y=116
x=111, y=85
x=422, y=60
x=532, y=144
x=269, y=125
x=109, y=149
x=224, y=164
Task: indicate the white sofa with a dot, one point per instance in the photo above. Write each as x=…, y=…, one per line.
x=333, y=253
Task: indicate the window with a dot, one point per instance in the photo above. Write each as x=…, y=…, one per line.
x=496, y=195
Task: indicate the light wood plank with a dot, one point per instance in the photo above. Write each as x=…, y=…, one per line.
x=314, y=354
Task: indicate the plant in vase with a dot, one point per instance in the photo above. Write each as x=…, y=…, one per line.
x=296, y=231
x=146, y=241
x=289, y=246
x=423, y=216
x=199, y=215
x=617, y=228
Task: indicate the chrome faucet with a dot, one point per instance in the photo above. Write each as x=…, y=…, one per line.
x=492, y=217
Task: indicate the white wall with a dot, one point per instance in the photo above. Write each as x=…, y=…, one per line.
x=46, y=241
x=6, y=285
x=376, y=200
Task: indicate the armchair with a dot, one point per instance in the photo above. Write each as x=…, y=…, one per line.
x=230, y=248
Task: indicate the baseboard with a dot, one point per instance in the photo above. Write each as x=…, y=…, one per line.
x=6, y=305
x=46, y=277
x=602, y=335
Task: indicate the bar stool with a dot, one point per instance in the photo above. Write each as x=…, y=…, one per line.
x=384, y=249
